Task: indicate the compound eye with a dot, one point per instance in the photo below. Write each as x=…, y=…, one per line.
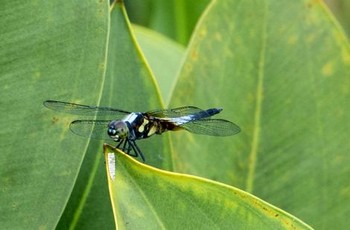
x=111, y=129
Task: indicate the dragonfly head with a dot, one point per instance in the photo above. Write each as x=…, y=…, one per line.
x=118, y=130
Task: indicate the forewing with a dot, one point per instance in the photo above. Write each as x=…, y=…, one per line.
x=212, y=127
x=95, y=129
x=85, y=110
x=175, y=112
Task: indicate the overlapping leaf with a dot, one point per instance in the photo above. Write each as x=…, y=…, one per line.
x=144, y=196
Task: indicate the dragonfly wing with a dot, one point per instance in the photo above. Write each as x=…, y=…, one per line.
x=84, y=110
x=175, y=112
x=95, y=129
x=212, y=127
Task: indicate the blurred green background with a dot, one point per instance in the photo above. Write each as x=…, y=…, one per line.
x=177, y=18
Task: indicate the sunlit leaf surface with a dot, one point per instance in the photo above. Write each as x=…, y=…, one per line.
x=145, y=196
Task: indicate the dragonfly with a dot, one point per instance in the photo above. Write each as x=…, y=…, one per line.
x=126, y=128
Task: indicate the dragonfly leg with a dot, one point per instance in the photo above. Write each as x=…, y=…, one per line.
x=119, y=144
x=129, y=145
x=124, y=147
x=129, y=150
x=136, y=149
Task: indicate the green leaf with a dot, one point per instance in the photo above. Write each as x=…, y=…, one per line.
x=174, y=18
x=281, y=72
x=145, y=196
x=70, y=52
x=128, y=85
x=49, y=50
x=340, y=8
x=177, y=18
x=164, y=57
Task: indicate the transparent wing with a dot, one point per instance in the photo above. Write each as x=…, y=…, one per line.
x=84, y=110
x=95, y=129
x=175, y=112
x=212, y=127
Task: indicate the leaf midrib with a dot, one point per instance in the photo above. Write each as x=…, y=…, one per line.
x=252, y=160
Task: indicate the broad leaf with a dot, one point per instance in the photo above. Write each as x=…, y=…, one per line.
x=164, y=57
x=70, y=52
x=49, y=49
x=341, y=9
x=281, y=71
x=145, y=197
x=128, y=85
x=173, y=18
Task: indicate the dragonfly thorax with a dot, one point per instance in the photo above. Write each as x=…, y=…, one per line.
x=118, y=130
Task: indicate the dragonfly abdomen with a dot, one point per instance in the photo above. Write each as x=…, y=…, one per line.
x=212, y=112
x=196, y=116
